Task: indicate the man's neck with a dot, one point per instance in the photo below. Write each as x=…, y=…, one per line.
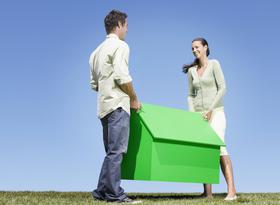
x=116, y=33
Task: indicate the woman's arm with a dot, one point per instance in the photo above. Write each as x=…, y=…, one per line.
x=220, y=82
x=191, y=94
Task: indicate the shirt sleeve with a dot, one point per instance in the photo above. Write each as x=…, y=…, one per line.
x=93, y=82
x=191, y=92
x=220, y=82
x=93, y=77
x=120, y=64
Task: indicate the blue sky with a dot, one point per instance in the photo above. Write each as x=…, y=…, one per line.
x=50, y=136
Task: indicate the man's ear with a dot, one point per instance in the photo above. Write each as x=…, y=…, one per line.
x=119, y=24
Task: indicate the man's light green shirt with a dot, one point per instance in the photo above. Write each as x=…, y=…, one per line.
x=109, y=69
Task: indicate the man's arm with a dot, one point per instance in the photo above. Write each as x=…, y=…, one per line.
x=93, y=77
x=128, y=89
x=94, y=84
x=122, y=77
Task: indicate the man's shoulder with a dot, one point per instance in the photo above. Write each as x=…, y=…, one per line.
x=93, y=53
x=114, y=43
x=123, y=44
x=111, y=44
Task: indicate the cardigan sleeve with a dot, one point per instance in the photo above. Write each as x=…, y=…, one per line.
x=191, y=92
x=220, y=83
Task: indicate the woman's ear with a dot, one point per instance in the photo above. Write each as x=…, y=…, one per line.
x=205, y=47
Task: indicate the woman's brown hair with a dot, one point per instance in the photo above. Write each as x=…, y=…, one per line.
x=196, y=61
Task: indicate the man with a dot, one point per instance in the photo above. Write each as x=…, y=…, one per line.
x=110, y=78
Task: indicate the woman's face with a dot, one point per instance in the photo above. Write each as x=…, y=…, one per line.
x=198, y=49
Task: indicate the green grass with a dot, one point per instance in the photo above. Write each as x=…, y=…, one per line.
x=47, y=198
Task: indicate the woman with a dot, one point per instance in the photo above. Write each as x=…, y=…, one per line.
x=206, y=89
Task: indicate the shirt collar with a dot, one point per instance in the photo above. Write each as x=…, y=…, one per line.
x=112, y=35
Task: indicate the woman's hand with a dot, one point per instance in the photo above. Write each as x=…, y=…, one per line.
x=207, y=115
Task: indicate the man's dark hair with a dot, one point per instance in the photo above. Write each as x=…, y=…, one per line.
x=112, y=20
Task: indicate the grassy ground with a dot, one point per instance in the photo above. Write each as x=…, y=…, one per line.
x=80, y=198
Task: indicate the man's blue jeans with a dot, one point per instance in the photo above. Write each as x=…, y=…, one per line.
x=115, y=137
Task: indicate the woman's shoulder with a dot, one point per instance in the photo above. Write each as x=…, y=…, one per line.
x=215, y=64
x=214, y=61
x=191, y=70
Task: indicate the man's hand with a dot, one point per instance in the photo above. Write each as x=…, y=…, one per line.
x=128, y=89
x=135, y=105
